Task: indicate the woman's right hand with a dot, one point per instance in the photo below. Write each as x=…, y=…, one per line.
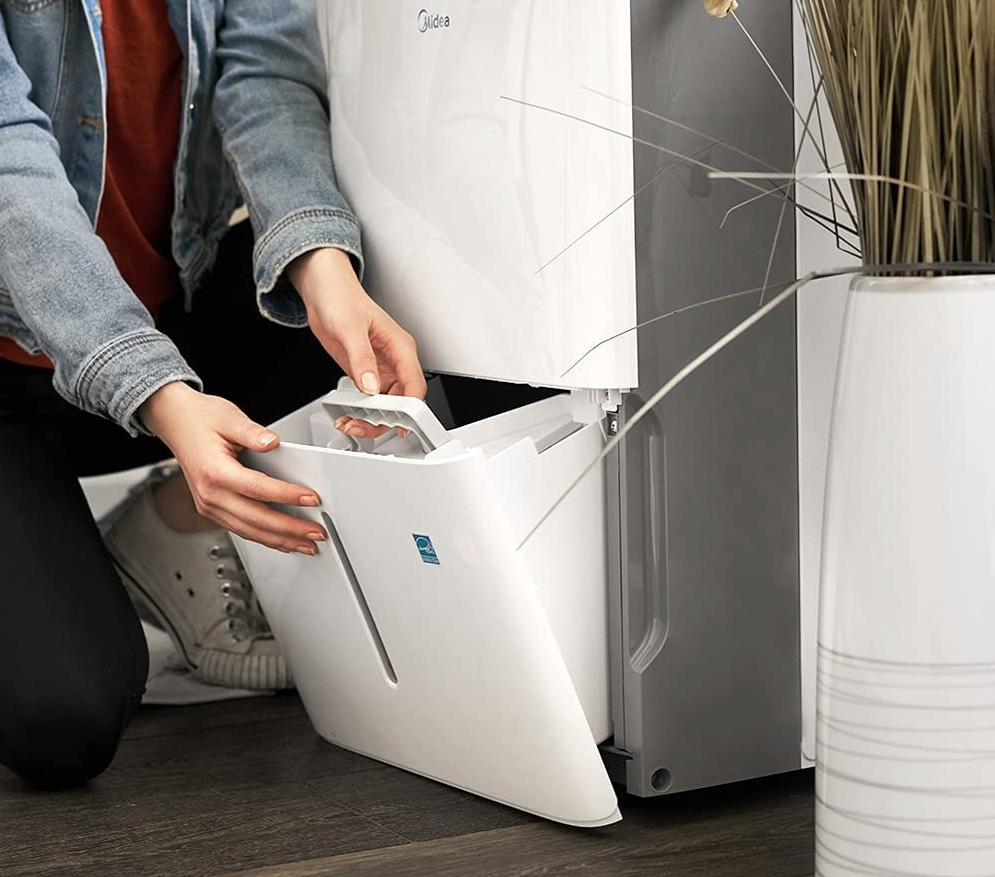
x=205, y=434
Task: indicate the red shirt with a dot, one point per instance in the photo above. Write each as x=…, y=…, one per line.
x=144, y=74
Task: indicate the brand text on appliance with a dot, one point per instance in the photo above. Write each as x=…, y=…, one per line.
x=427, y=21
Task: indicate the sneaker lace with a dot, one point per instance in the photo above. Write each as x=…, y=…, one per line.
x=244, y=615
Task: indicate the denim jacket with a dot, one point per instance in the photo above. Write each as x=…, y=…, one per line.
x=254, y=131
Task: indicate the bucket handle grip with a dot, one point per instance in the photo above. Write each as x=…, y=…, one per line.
x=404, y=412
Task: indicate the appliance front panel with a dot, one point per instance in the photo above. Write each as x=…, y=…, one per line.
x=500, y=235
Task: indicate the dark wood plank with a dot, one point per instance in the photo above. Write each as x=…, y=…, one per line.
x=184, y=797
x=248, y=788
x=153, y=721
x=182, y=834
x=229, y=757
x=772, y=838
x=414, y=807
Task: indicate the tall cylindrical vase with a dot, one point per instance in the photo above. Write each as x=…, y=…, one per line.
x=905, y=778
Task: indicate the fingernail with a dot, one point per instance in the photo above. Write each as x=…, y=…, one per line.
x=353, y=430
x=316, y=536
x=311, y=501
x=267, y=438
x=308, y=549
x=370, y=383
x=339, y=422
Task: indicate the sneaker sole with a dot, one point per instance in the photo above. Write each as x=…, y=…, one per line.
x=217, y=670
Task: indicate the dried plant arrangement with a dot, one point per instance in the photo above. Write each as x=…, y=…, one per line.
x=909, y=84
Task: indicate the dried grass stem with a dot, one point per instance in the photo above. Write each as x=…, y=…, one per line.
x=909, y=84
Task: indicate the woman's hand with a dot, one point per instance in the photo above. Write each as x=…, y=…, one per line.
x=371, y=348
x=205, y=433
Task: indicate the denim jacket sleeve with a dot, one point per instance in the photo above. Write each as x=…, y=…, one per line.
x=63, y=283
x=271, y=109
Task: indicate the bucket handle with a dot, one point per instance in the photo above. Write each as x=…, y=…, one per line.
x=404, y=412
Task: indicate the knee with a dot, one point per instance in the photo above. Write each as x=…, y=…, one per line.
x=65, y=741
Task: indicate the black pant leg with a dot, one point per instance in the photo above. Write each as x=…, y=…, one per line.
x=73, y=653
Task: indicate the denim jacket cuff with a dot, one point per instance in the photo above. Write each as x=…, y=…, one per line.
x=121, y=375
x=309, y=228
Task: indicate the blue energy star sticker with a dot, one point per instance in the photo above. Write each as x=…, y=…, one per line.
x=426, y=549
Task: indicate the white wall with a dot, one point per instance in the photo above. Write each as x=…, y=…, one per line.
x=820, y=320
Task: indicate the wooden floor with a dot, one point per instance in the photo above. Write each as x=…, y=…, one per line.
x=246, y=788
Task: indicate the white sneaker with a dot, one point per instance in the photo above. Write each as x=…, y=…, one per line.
x=196, y=588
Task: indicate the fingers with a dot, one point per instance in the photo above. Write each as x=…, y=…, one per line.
x=355, y=338
x=205, y=433
x=258, y=486
x=397, y=390
x=256, y=521
x=353, y=328
x=410, y=377
x=360, y=428
x=399, y=355
x=265, y=537
x=236, y=498
x=400, y=352
x=247, y=433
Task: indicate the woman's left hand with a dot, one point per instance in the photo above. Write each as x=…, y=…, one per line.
x=358, y=334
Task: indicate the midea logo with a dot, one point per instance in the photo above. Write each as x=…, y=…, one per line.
x=427, y=21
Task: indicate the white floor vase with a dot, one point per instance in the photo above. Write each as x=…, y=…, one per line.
x=906, y=714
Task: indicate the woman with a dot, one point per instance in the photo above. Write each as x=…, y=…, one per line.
x=128, y=136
